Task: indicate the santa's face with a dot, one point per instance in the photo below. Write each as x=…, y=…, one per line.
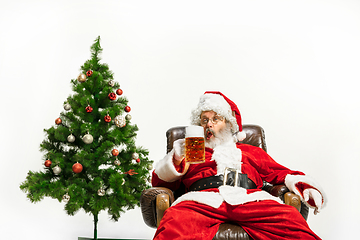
x=212, y=123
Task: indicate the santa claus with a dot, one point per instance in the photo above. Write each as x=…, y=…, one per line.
x=227, y=186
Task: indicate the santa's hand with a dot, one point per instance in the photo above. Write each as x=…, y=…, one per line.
x=179, y=151
x=311, y=193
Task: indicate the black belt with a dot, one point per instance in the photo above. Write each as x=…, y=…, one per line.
x=217, y=181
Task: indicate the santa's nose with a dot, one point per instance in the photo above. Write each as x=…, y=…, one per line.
x=209, y=124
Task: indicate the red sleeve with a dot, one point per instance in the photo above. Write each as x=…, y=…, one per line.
x=269, y=170
x=157, y=182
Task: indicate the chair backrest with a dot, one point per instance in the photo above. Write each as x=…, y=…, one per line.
x=255, y=136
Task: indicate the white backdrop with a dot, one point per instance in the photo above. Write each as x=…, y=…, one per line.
x=291, y=66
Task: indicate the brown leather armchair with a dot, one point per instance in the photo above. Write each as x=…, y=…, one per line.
x=154, y=201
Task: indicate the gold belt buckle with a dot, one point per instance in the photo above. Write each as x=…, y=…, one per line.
x=228, y=170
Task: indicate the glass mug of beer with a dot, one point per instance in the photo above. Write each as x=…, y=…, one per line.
x=194, y=144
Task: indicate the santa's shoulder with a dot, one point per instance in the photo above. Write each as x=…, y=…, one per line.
x=251, y=151
x=248, y=148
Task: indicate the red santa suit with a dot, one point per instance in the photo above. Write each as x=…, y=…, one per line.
x=198, y=214
x=262, y=215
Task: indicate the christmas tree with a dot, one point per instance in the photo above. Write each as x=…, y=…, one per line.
x=90, y=158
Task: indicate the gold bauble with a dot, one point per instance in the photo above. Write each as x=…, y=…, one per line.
x=81, y=78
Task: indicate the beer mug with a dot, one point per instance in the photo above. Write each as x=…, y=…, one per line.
x=194, y=144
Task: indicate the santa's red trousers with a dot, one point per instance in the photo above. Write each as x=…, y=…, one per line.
x=261, y=220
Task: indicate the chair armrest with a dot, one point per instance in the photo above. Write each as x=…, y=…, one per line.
x=148, y=204
x=276, y=190
x=281, y=191
x=292, y=199
x=162, y=203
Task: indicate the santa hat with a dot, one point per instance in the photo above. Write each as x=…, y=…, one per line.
x=219, y=103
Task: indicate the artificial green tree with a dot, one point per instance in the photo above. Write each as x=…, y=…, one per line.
x=90, y=158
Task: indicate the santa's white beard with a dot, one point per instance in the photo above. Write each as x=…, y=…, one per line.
x=223, y=136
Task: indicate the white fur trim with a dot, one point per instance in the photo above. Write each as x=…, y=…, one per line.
x=237, y=195
x=292, y=180
x=216, y=103
x=227, y=155
x=212, y=199
x=231, y=195
x=165, y=168
x=240, y=136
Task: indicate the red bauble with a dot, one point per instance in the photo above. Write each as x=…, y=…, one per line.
x=112, y=96
x=115, y=152
x=77, y=168
x=48, y=163
x=89, y=109
x=107, y=118
x=119, y=92
x=58, y=121
x=138, y=160
x=127, y=109
x=89, y=73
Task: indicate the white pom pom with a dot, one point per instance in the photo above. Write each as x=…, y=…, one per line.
x=240, y=136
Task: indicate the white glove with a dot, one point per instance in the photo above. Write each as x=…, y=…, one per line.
x=179, y=149
x=311, y=193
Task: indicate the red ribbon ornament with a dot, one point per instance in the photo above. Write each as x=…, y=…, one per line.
x=131, y=172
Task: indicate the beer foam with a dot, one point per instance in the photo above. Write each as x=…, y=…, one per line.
x=194, y=131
